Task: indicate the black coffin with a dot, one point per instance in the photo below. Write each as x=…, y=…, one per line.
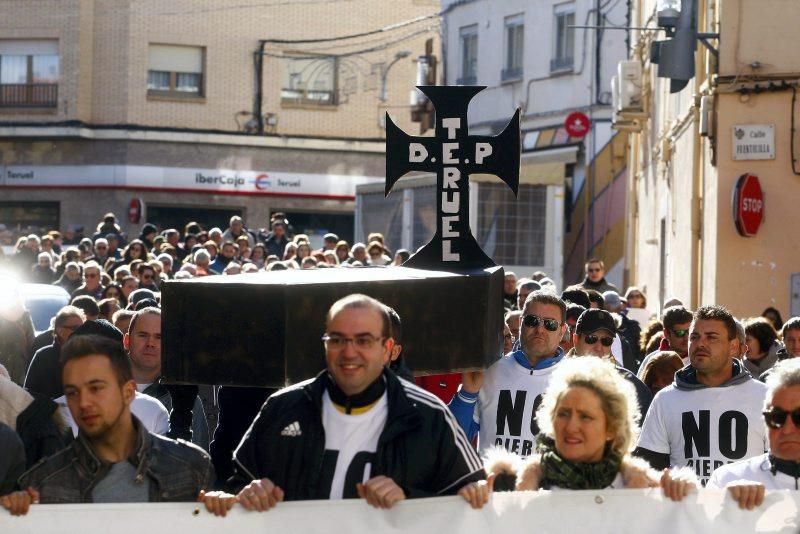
x=265, y=329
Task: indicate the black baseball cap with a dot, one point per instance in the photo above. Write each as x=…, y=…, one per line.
x=593, y=320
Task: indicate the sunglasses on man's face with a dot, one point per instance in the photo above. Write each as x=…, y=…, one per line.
x=776, y=417
x=680, y=333
x=532, y=321
x=591, y=339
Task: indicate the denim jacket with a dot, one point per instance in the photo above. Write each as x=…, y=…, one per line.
x=176, y=471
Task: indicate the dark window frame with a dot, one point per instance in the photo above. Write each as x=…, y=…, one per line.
x=24, y=95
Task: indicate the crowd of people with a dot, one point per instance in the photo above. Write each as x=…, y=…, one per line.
x=153, y=256
x=591, y=390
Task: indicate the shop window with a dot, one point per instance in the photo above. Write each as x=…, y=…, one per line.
x=24, y=218
x=512, y=230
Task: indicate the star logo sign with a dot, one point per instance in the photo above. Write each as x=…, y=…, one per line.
x=262, y=182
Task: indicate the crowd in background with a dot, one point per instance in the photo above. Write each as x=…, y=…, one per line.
x=114, y=282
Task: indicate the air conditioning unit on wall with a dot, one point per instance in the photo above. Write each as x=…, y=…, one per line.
x=627, y=96
x=629, y=87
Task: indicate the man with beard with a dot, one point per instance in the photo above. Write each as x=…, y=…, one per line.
x=500, y=404
x=710, y=415
x=114, y=459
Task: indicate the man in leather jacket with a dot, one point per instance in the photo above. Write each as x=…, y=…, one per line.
x=114, y=459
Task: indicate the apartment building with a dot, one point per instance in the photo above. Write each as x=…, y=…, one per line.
x=702, y=231
x=200, y=110
x=550, y=59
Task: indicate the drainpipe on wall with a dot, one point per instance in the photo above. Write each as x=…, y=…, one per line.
x=698, y=163
x=257, y=102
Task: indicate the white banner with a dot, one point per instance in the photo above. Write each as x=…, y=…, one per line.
x=610, y=511
x=184, y=179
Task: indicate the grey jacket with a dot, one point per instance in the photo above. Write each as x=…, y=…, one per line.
x=176, y=471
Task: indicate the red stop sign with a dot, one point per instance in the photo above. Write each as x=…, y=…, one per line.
x=577, y=124
x=748, y=205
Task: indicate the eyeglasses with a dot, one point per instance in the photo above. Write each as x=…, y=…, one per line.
x=532, y=321
x=91, y=275
x=680, y=333
x=360, y=342
x=776, y=417
x=635, y=296
x=596, y=270
x=591, y=339
x=508, y=337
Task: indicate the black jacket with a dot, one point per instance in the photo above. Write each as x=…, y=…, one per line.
x=44, y=373
x=176, y=471
x=38, y=426
x=421, y=447
x=12, y=461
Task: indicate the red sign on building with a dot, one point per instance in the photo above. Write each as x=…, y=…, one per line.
x=748, y=205
x=577, y=124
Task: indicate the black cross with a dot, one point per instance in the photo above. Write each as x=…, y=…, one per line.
x=453, y=155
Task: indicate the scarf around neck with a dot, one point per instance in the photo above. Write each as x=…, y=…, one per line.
x=561, y=473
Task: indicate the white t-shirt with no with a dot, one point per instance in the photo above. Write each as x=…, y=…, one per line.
x=147, y=409
x=354, y=441
x=706, y=428
x=507, y=405
x=755, y=469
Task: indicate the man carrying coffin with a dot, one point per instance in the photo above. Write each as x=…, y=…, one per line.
x=711, y=414
x=509, y=392
x=354, y=431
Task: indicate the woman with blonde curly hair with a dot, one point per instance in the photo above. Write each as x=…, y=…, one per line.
x=588, y=425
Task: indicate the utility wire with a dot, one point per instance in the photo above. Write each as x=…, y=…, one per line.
x=383, y=46
x=385, y=29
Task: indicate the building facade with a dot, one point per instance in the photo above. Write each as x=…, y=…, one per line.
x=549, y=59
x=200, y=110
x=691, y=149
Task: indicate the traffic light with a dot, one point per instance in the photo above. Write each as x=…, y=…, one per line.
x=675, y=56
x=421, y=108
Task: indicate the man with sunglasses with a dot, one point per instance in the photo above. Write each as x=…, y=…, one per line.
x=710, y=415
x=676, y=320
x=595, y=279
x=508, y=393
x=594, y=335
x=778, y=468
x=354, y=431
x=92, y=283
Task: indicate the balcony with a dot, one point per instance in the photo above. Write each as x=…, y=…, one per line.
x=511, y=74
x=561, y=64
x=28, y=95
x=467, y=80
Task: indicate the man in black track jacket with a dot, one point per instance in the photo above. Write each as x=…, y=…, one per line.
x=354, y=431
